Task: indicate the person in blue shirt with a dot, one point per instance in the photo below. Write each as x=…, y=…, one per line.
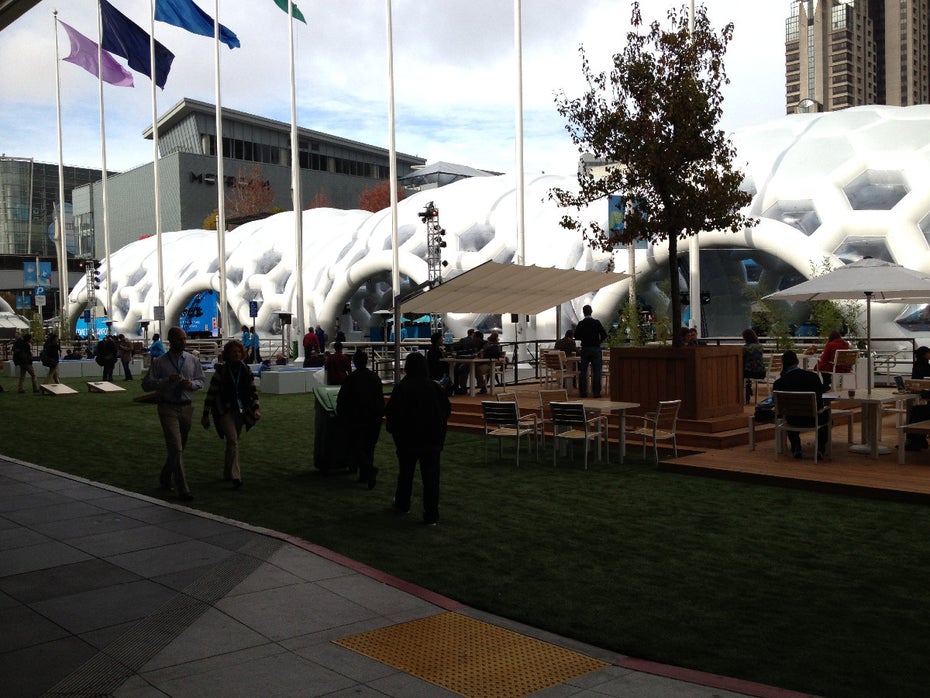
x=247, y=342
x=256, y=355
x=157, y=347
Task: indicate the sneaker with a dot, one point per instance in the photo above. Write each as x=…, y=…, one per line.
x=186, y=497
x=797, y=454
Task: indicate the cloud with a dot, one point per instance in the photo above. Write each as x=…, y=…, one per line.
x=454, y=71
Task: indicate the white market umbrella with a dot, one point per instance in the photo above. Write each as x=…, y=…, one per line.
x=866, y=278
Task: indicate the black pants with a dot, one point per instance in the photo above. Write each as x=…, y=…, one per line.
x=823, y=433
x=362, y=442
x=429, y=472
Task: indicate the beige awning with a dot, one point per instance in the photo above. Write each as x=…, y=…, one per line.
x=509, y=288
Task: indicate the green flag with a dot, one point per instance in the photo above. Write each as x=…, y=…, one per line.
x=297, y=13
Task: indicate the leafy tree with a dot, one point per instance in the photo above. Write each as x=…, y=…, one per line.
x=653, y=118
x=209, y=223
x=842, y=316
x=250, y=194
x=378, y=197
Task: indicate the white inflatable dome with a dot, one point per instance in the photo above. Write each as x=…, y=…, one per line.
x=827, y=188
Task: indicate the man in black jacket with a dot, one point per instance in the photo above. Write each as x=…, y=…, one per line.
x=417, y=414
x=360, y=406
x=797, y=380
x=590, y=333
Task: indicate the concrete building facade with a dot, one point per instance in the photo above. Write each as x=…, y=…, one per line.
x=333, y=169
x=846, y=53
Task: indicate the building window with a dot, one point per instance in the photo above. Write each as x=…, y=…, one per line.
x=791, y=28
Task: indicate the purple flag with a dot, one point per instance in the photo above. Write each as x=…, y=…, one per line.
x=84, y=54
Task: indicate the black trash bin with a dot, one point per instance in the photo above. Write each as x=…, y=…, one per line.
x=330, y=443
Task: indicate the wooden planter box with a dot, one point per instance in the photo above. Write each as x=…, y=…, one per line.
x=707, y=380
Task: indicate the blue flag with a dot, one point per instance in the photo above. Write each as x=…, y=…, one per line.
x=187, y=15
x=125, y=38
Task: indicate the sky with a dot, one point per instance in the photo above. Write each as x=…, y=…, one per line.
x=454, y=75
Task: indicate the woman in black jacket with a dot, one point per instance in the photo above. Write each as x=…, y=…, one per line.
x=232, y=400
x=51, y=355
x=417, y=414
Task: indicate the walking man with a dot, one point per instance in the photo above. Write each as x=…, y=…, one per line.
x=590, y=333
x=360, y=406
x=174, y=377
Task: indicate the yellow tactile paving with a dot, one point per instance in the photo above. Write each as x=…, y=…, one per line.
x=471, y=657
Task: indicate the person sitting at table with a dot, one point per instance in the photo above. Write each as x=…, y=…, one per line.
x=834, y=343
x=438, y=369
x=798, y=380
x=567, y=344
x=464, y=349
x=490, y=350
x=918, y=413
x=753, y=360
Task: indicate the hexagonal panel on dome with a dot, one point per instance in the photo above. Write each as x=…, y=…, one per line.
x=856, y=247
x=924, y=226
x=798, y=214
x=876, y=190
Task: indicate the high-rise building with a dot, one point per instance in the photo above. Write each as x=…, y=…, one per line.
x=844, y=53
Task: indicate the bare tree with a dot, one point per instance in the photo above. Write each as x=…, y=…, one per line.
x=251, y=193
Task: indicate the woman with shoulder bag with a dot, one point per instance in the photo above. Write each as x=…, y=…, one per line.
x=232, y=400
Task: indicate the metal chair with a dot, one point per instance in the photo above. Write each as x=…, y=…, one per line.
x=660, y=425
x=571, y=422
x=772, y=373
x=502, y=420
x=526, y=419
x=844, y=369
x=547, y=397
x=800, y=405
x=556, y=371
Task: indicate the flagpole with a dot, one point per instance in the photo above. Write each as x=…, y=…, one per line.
x=521, y=231
x=392, y=173
x=295, y=191
x=220, y=179
x=157, y=185
x=103, y=164
x=694, y=245
x=60, y=249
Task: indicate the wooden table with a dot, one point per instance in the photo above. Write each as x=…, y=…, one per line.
x=600, y=405
x=871, y=403
x=452, y=361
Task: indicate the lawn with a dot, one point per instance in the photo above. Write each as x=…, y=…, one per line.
x=814, y=592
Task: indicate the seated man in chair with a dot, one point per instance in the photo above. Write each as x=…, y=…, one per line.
x=796, y=379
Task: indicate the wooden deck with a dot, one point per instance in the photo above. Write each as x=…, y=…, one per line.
x=845, y=472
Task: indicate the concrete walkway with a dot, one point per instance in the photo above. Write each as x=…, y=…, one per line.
x=108, y=593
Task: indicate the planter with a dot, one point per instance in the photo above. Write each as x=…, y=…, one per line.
x=707, y=380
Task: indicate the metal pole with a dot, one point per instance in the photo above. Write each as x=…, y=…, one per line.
x=395, y=254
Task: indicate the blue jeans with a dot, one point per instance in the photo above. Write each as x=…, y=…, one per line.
x=590, y=356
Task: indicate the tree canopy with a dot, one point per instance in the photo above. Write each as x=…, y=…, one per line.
x=653, y=119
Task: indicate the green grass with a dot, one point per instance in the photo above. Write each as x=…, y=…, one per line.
x=819, y=593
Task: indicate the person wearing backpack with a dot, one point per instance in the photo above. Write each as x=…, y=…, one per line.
x=106, y=356
x=22, y=357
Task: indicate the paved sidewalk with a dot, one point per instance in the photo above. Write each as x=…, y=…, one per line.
x=104, y=592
